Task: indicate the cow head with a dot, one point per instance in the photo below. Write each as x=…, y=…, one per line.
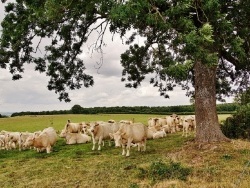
x=85, y=128
x=117, y=138
x=29, y=141
x=63, y=133
x=189, y=122
x=94, y=128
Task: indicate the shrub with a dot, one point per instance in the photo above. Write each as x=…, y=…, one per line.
x=238, y=126
x=159, y=171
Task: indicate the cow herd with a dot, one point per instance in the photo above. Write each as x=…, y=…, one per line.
x=124, y=133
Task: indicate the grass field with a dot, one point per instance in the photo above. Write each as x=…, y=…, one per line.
x=34, y=123
x=209, y=166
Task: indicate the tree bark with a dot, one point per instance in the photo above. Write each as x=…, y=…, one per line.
x=207, y=123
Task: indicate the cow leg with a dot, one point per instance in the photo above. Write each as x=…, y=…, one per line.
x=48, y=149
x=187, y=130
x=94, y=142
x=100, y=143
x=183, y=131
x=139, y=146
x=177, y=128
x=123, y=149
x=12, y=145
x=144, y=145
x=128, y=147
x=39, y=150
x=171, y=129
x=174, y=130
x=20, y=145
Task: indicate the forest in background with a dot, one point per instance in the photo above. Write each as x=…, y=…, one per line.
x=226, y=108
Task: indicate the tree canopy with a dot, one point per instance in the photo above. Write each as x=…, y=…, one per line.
x=177, y=33
x=201, y=43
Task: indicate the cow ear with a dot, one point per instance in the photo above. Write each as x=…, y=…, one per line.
x=96, y=124
x=68, y=120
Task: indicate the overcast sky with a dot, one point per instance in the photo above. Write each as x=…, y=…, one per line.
x=31, y=93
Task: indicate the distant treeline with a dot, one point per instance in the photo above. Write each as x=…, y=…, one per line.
x=3, y=116
x=161, y=110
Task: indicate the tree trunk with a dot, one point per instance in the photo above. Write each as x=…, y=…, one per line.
x=207, y=123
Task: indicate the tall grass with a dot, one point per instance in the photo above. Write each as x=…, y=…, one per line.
x=215, y=165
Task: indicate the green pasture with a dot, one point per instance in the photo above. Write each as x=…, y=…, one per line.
x=173, y=161
x=35, y=123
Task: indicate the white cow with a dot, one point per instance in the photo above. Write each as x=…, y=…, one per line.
x=45, y=140
x=85, y=128
x=189, y=124
x=99, y=133
x=194, y=122
x=159, y=134
x=173, y=122
x=11, y=140
x=75, y=138
x=128, y=134
x=74, y=127
x=22, y=139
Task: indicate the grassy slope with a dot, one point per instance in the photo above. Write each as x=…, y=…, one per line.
x=217, y=165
